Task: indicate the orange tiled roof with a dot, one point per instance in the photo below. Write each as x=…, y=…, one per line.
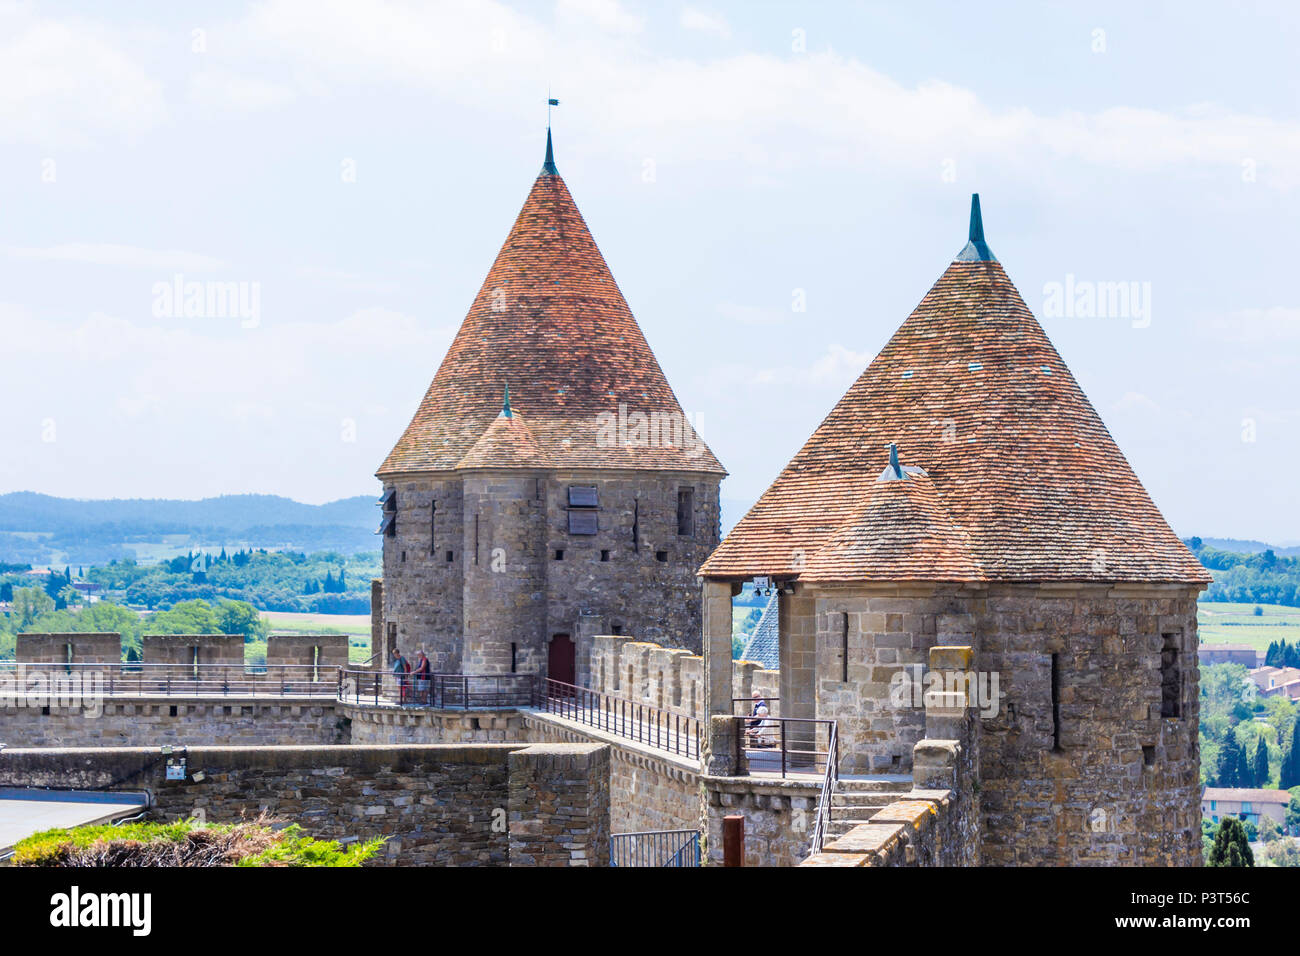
x=1246, y=795
x=507, y=443
x=550, y=321
x=1024, y=481
x=901, y=530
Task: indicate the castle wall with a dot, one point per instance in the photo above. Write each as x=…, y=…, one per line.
x=670, y=678
x=518, y=576
x=1123, y=786
x=559, y=798
x=1098, y=778
x=126, y=722
x=422, y=590
x=185, y=650
x=68, y=648
x=466, y=805
x=885, y=629
x=780, y=816
x=632, y=591
x=647, y=791
x=503, y=585
x=394, y=725
x=325, y=651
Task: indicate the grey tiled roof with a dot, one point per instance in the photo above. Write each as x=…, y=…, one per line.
x=762, y=645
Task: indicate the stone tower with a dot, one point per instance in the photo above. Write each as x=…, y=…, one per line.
x=964, y=492
x=550, y=486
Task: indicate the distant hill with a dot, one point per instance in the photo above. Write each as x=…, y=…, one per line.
x=1246, y=546
x=41, y=529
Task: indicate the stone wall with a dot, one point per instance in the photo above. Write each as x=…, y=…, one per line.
x=884, y=631
x=780, y=816
x=914, y=832
x=394, y=725
x=648, y=791
x=188, y=649
x=938, y=822
x=483, y=560
x=68, y=648
x=438, y=805
x=424, y=566
x=143, y=722
x=669, y=678
x=1077, y=763
x=325, y=651
x=1103, y=778
x=559, y=805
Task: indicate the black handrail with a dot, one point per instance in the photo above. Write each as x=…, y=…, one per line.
x=666, y=730
x=436, y=691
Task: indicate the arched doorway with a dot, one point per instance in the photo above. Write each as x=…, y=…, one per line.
x=561, y=664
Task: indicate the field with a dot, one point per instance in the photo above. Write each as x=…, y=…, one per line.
x=1224, y=623
x=356, y=626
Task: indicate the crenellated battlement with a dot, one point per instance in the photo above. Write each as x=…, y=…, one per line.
x=227, y=650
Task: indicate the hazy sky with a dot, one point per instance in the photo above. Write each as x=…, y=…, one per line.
x=356, y=167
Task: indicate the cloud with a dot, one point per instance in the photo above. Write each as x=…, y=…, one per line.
x=107, y=254
x=762, y=111
x=224, y=90
x=753, y=315
x=208, y=391
x=1136, y=402
x=701, y=22
x=69, y=82
x=1254, y=327
x=832, y=371
x=606, y=14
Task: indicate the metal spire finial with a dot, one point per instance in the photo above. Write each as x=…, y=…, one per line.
x=976, y=249
x=548, y=167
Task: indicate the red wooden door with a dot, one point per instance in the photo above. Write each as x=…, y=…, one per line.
x=562, y=660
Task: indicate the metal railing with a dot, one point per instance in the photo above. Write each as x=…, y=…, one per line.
x=437, y=691
x=180, y=680
x=829, y=782
x=655, y=848
x=663, y=729
x=785, y=745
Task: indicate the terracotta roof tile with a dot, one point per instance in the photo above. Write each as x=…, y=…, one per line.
x=1025, y=482
x=507, y=443
x=551, y=321
x=901, y=531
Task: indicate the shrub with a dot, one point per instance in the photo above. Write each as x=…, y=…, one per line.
x=187, y=843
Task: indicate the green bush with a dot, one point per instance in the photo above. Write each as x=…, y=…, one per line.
x=187, y=843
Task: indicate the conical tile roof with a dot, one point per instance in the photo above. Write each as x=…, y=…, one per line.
x=550, y=320
x=1018, y=462
x=507, y=443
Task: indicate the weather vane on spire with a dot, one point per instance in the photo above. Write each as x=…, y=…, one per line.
x=548, y=167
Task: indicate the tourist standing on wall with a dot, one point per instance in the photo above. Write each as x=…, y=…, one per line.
x=423, y=670
x=401, y=668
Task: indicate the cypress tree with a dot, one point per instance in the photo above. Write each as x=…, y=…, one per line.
x=1230, y=756
x=1231, y=848
x=1261, y=767
x=1245, y=772
x=1291, y=760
